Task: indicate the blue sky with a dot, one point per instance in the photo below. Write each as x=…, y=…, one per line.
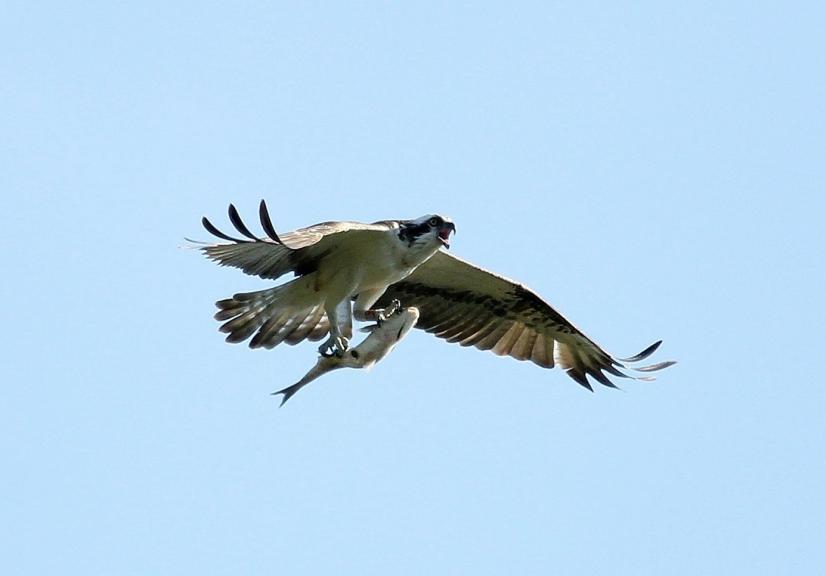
x=654, y=170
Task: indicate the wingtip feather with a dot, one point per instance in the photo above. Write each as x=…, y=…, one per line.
x=235, y=218
x=210, y=227
x=644, y=354
x=656, y=367
x=580, y=378
x=266, y=223
x=597, y=375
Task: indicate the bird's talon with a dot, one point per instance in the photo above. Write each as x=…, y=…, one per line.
x=341, y=345
x=334, y=346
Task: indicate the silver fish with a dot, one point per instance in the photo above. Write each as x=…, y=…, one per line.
x=378, y=344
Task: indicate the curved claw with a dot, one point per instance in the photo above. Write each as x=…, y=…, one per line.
x=327, y=348
x=342, y=344
x=334, y=346
x=395, y=306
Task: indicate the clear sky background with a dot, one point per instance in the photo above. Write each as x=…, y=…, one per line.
x=655, y=170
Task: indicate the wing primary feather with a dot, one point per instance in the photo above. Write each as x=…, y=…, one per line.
x=266, y=223
x=579, y=377
x=597, y=375
x=215, y=232
x=655, y=367
x=613, y=370
x=235, y=218
x=644, y=354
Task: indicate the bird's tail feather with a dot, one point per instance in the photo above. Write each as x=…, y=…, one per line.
x=287, y=313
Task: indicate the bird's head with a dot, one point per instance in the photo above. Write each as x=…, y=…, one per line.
x=428, y=229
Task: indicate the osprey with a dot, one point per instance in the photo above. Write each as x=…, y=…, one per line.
x=335, y=263
x=349, y=269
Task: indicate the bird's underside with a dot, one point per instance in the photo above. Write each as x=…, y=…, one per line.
x=458, y=301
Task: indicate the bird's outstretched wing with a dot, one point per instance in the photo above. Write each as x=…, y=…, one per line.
x=470, y=306
x=276, y=254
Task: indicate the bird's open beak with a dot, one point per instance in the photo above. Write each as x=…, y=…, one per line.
x=444, y=233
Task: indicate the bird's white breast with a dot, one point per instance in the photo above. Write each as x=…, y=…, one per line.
x=373, y=262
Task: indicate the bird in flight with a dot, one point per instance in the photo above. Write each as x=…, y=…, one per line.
x=347, y=270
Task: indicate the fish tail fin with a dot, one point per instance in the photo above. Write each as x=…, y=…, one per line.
x=323, y=366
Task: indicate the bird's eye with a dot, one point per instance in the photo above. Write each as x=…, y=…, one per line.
x=433, y=221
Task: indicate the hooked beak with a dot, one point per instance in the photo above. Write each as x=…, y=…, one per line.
x=444, y=233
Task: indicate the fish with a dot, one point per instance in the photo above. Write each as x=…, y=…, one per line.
x=381, y=340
